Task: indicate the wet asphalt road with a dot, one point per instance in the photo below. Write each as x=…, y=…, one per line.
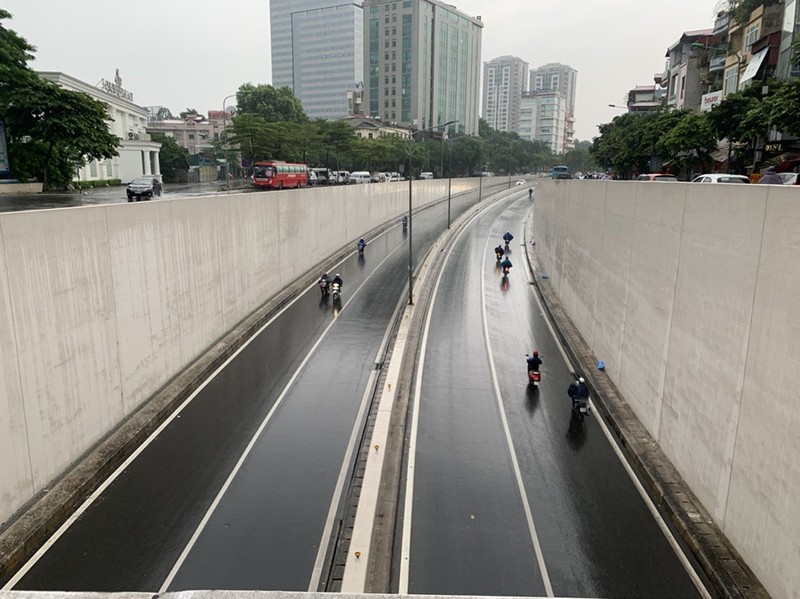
x=266, y=529
x=468, y=529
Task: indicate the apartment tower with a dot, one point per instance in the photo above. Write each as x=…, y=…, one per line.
x=559, y=78
x=422, y=63
x=504, y=80
x=317, y=51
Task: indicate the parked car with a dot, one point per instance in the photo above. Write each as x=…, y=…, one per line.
x=394, y=177
x=520, y=182
x=359, y=177
x=426, y=175
x=343, y=177
x=660, y=177
x=720, y=178
x=143, y=188
x=324, y=176
x=789, y=178
x=377, y=177
x=312, y=177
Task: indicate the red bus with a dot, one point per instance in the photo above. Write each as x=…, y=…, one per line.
x=275, y=174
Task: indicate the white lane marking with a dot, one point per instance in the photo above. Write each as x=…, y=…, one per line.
x=628, y=468
x=512, y=451
x=218, y=499
x=99, y=491
x=405, y=549
x=322, y=551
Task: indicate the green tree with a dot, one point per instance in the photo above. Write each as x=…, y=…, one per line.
x=688, y=143
x=782, y=106
x=15, y=52
x=174, y=159
x=164, y=114
x=255, y=138
x=272, y=104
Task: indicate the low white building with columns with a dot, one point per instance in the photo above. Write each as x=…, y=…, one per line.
x=137, y=154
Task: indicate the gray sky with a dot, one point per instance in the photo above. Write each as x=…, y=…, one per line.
x=181, y=53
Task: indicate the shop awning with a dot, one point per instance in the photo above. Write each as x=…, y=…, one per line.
x=755, y=64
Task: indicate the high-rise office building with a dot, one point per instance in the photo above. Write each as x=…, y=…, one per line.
x=317, y=51
x=422, y=63
x=563, y=79
x=504, y=80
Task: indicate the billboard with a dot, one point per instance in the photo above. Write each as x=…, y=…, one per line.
x=708, y=101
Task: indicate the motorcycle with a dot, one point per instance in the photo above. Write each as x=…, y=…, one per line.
x=405, y=224
x=323, y=287
x=336, y=291
x=506, y=270
x=499, y=256
x=580, y=407
x=534, y=378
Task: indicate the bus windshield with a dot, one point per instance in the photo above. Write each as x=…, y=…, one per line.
x=263, y=172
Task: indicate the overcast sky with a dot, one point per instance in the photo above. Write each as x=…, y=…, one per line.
x=181, y=53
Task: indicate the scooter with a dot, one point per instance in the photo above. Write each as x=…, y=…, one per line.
x=506, y=270
x=336, y=291
x=534, y=378
x=580, y=407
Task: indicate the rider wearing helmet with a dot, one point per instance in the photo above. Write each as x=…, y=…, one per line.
x=578, y=390
x=499, y=252
x=506, y=264
x=507, y=237
x=337, y=280
x=361, y=244
x=534, y=361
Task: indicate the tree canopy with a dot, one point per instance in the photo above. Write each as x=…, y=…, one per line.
x=274, y=105
x=51, y=131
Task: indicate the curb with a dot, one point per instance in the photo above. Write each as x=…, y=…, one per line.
x=719, y=560
x=372, y=546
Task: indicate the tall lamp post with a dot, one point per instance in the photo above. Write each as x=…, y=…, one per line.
x=410, y=148
x=224, y=129
x=446, y=140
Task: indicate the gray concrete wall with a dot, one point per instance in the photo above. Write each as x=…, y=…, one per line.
x=690, y=294
x=101, y=306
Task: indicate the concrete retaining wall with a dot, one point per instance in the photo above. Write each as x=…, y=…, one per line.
x=690, y=294
x=102, y=305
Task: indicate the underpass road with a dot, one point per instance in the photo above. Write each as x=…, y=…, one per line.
x=265, y=531
x=468, y=533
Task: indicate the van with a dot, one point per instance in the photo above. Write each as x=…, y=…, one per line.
x=426, y=175
x=359, y=177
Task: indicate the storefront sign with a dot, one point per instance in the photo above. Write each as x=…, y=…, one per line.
x=708, y=101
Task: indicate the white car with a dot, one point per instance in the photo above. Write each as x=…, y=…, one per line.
x=520, y=182
x=358, y=177
x=788, y=178
x=720, y=178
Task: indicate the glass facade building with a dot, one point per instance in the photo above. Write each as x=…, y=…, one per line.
x=422, y=64
x=317, y=51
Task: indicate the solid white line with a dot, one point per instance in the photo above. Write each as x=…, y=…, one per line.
x=405, y=550
x=319, y=563
x=517, y=472
x=629, y=469
x=99, y=491
x=187, y=549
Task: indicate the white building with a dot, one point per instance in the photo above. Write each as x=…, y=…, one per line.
x=563, y=79
x=543, y=117
x=504, y=80
x=137, y=154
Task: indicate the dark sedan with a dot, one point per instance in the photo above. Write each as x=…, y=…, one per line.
x=143, y=188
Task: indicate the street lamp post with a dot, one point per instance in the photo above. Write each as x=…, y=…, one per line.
x=410, y=148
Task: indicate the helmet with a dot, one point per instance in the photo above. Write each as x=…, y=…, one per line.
x=536, y=352
x=580, y=380
x=337, y=274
